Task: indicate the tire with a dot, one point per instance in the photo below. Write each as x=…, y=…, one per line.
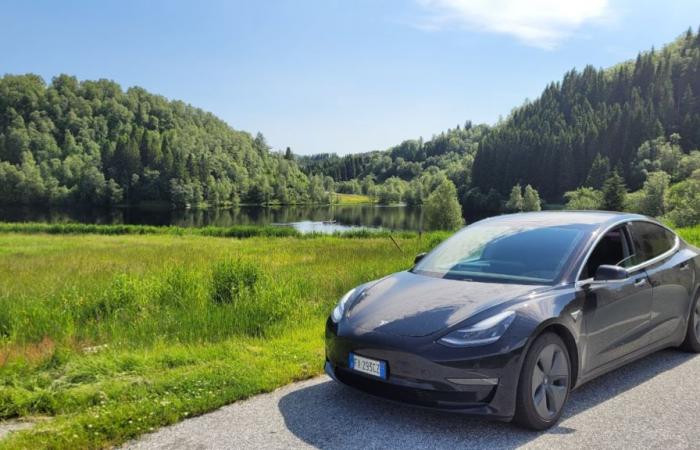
x=543, y=391
x=692, y=334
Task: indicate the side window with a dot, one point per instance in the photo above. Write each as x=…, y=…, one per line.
x=612, y=249
x=649, y=241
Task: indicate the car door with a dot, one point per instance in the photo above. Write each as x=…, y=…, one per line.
x=670, y=276
x=616, y=313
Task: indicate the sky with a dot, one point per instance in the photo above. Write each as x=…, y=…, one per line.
x=341, y=76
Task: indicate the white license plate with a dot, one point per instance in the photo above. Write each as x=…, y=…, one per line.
x=367, y=366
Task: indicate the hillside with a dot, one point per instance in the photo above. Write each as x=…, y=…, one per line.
x=90, y=143
x=552, y=142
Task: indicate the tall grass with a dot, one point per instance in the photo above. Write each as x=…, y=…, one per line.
x=690, y=234
x=238, y=231
x=112, y=335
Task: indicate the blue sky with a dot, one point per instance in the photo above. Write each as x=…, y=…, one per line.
x=339, y=76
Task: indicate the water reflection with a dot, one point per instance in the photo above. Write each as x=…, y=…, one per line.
x=304, y=218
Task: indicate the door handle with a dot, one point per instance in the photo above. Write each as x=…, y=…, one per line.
x=684, y=265
x=640, y=282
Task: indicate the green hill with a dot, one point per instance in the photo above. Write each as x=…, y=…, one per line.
x=552, y=142
x=89, y=142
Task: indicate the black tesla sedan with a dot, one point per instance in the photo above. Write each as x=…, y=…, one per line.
x=508, y=315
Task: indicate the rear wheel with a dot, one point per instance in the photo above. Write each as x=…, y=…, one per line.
x=692, y=335
x=544, y=383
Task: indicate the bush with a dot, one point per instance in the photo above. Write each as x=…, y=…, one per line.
x=531, y=199
x=655, y=187
x=442, y=209
x=634, y=201
x=684, y=203
x=515, y=201
x=584, y=198
x=231, y=278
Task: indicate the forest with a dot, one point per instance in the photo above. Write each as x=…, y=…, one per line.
x=91, y=143
x=638, y=117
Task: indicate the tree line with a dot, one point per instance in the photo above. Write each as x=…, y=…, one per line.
x=91, y=143
x=633, y=120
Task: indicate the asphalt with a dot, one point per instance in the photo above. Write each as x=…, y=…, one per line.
x=652, y=403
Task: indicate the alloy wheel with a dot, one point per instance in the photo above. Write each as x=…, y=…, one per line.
x=550, y=379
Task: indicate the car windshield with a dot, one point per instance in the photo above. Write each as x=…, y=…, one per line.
x=514, y=253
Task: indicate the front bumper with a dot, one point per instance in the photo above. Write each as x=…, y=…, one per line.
x=423, y=373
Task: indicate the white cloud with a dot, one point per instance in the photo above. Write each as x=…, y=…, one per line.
x=539, y=23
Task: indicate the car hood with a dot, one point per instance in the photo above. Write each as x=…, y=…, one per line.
x=414, y=305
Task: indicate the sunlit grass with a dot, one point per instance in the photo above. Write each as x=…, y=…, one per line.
x=690, y=234
x=111, y=336
x=352, y=199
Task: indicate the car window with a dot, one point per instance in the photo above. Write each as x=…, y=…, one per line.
x=612, y=249
x=503, y=253
x=649, y=241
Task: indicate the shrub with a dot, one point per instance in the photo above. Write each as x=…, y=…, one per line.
x=655, y=187
x=584, y=198
x=442, y=209
x=684, y=203
x=515, y=201
x=634, y=201
x=231, y=278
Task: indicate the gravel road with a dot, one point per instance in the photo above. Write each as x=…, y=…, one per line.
x=653, y=403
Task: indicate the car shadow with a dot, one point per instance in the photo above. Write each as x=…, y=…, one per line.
x=330, y=415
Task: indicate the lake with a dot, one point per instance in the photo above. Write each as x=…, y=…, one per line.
x=303, y=218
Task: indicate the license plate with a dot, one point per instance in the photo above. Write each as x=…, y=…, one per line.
x=367, y=366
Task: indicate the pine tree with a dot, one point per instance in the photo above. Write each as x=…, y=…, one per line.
x=600, y=171
x=614, y=192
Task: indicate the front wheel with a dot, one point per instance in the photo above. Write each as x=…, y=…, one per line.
x=692, y=334
x=544, y=383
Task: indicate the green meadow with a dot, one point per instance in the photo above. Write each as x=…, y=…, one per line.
x=352, y=199
x=110, y=332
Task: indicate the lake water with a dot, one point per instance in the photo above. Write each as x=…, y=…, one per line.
x=304, y=218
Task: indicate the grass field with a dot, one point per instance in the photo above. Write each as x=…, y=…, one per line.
x=110, y=336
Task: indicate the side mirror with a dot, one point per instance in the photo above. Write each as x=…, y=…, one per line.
x=419, y=256
x=610, y=273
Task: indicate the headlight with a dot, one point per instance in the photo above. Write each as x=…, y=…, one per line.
x=339, y=310
x=485, y=332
